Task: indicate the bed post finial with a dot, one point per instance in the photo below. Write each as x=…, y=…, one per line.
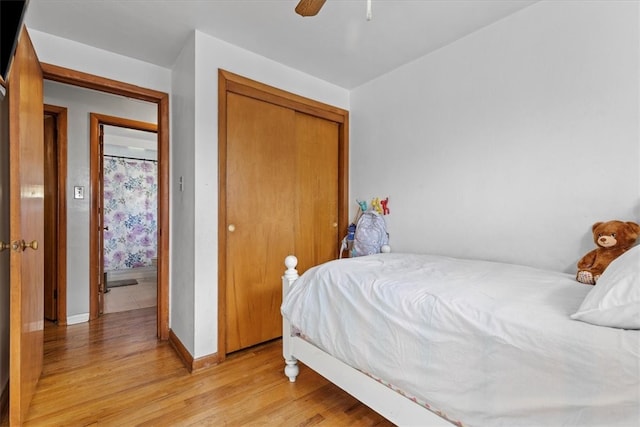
x=290, y=262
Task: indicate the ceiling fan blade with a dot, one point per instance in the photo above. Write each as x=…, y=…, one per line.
x=309, y=7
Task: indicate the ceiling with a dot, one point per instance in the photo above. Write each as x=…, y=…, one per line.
x=126, y=137
x=338, y=45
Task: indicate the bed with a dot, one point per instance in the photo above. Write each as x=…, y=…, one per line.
x=431, y=340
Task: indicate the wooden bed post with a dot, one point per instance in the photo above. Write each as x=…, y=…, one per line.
x=291, y=369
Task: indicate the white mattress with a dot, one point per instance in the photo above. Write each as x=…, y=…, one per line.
x=488, y=344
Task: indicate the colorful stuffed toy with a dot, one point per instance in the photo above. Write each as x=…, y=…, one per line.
x=613, y=239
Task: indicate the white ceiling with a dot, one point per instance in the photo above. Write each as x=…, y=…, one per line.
x=126, y=137
x=338, y=45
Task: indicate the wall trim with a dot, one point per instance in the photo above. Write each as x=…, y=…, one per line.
x=77, y=318
x=205, y=362
x=189, y=362
x=183, y=353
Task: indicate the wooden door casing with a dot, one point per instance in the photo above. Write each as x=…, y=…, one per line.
x=102, y=285
x=26, y=158
x=296, y=166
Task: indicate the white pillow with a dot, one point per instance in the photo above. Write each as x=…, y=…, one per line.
x=615, y=299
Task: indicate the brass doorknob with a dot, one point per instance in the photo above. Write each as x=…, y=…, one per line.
x=33, y=245
x=232, y=228
x=4, y=245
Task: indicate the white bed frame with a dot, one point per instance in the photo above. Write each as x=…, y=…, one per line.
x=398, y=409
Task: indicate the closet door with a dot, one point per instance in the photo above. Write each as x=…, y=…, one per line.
x=283, y=190
x=260, y=204
x=316, y=230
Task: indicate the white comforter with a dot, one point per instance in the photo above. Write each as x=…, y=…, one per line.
x=485, y=343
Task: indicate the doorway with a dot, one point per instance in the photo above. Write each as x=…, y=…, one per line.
x=161, y=99
x=129, y=199
x=120, y=207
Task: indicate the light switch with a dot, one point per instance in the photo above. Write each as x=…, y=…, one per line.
x=78, y=192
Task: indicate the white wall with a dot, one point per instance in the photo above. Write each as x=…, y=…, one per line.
x=183, y=228
x=210, y=54
x=510, y=143
x=80, y=103
x=77, y=56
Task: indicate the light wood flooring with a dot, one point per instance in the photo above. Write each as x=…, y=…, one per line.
x=113, y=372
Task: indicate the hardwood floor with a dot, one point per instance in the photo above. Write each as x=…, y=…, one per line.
x=113, y=372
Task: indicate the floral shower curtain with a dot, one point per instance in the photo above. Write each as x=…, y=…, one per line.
x=130, y=213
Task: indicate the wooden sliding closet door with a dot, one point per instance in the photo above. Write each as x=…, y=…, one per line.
x=316, y=219
x=260, y=191
x=281, y=198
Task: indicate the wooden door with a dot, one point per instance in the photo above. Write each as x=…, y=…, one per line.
x=283, y=161
x=260, y=194
x=50, y=218
x=282, y=197
x=316, y=217
x=26, y=227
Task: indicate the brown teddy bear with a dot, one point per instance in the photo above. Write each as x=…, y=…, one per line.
x=613, y=239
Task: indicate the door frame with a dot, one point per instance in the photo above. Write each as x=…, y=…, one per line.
x=60, y=116
x=95, y=221
x=233, y=83
x=161, y=99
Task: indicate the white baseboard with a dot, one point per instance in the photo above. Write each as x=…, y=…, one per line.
x=77, y=318
x=132, y=273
